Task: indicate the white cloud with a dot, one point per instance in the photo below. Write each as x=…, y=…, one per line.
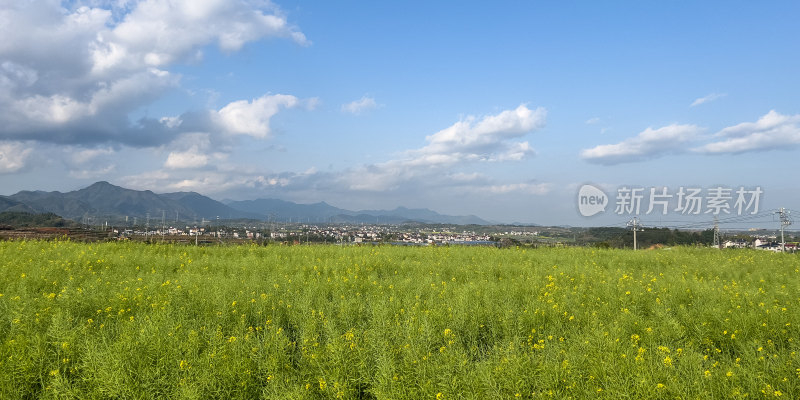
x=83, y=156
x=46, y=112
x=358, y=106
x=528, y=188
x=158, y=32
x=771, y=131
x=707, y=99
x=515, y=152
x=252, y=118
x=197, y=150
x=209, y=182
x=191, y=158
x=592, y=121
x=481, y=138
x=442, y=166
x=171, y=122
x=75, y=71
x=650, y=143
x=13, y=156
x=488, y=139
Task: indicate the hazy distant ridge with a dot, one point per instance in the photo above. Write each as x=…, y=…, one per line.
x=105, y=201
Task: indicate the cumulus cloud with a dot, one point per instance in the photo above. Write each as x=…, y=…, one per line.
x=13, y=156
x=472, y=139
x=648, y=144
x=772, y=131
x=157, y=32
x=75, y=71
x=196, y=151
x=707, y=99
x=359, y=106
x=481, y=138
x=444, y=162
x=191, y=158
x=252, y=117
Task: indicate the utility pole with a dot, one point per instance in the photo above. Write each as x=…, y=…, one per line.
x=632, y=223
x=785, y=221
x=716, y=233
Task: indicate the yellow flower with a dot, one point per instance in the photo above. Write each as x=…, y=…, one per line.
x=439, y=396
x=707, y=373
x=660, y=386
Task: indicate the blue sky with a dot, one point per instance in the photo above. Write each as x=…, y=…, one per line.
x=502, y=110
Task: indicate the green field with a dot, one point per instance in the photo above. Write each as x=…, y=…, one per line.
x=130, y=321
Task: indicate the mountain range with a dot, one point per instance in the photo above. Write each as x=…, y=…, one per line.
x=103, y=201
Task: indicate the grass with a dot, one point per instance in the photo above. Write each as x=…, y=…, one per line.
x=137, y=321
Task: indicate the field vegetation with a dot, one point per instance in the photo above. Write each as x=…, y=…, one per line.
x=139, y=321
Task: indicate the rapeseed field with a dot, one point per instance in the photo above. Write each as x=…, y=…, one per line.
x=139, y=321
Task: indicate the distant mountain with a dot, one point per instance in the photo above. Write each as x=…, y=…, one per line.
x=206, y=207
x=426, y=215
x=10, y=205
x=285, y=210
x=17, y=219
x=103, y=201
